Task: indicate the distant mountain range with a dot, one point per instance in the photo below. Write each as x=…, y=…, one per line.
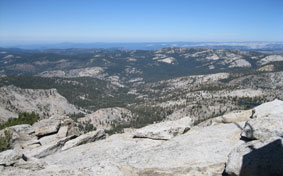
x=129, y=66
x=155, y=45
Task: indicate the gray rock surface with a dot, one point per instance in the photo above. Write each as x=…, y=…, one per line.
x=9, y=157
x=45, y=140
x=47, y=149
x=20, y=135
x=63, y=131
x=259, y=158
x=267, y=121
x=237, y=116
x=103, y=118
x=273, y=108
x=164, y=130
x=231, y=117
x=46, y=103
x=72, y=129
x=46, y=127
x=85, y=138
x=200, y=151
x=30, y=164
x=203, y=150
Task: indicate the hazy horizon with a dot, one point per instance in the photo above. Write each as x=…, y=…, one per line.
x=126, y=21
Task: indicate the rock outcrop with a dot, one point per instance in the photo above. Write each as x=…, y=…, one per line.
x=48, y=149
x=85, y=138
x=164, y=130
x=259, y=158
x=46, y=103
x=42, y=138
x=263, y=155
x=104, y=118
x=9, y=157
x=266, y=122
x=202, y=150
x=46, y=127
x=231, y=117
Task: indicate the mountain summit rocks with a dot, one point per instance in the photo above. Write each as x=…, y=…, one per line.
x=266, y=122
x=165, y=130
x=202, y=150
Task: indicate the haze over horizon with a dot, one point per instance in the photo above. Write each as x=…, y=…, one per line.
x=88, y=21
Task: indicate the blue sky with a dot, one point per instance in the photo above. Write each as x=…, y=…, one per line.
x=140, y=20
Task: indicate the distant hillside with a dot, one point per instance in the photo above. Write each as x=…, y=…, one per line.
x=129, y=66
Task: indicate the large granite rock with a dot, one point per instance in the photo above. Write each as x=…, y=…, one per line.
x=269, y=109
x=237, y=116
x=164, y=130
x=259, y=158
x=72, y=129
x=30, y=164
x=9, y=157
x=63, y=132
x=48, y=149
x=200, y=151
x=46, y=127
x=85, y=138
x=230, y=117
x=45, y=140
x=20, y=135
x=20, y=129
x=103, y=157
x=263, y=128
x=266, y=122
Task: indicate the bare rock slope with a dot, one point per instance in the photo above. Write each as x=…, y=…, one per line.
x=46, y=103
x=203, y=150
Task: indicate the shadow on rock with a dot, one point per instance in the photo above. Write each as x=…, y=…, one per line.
x=267, y=160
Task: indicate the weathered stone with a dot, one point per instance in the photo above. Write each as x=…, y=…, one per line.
x=231, y=117
x=31, y=146
x=102, y=157
x=72, y=129
x=237, y=116
x=48, y=149
x=85, y=138
x=257, y=158
x=15, y=137
x=9, y=157
x=30, y=164
x=266, y=122
x=103, y=118
x=263, y=128
x=200, y=151
x=63, y=131
x=40, y=101
x=24, y=128
x=46, y=127
x=269, y=109
x=164, y=130
x=45, y=140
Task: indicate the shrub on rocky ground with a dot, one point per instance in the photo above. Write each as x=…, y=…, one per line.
x=23, y=118
x=5, y=141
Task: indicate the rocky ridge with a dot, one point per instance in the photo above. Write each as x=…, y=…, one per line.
x=46, y=103
x=104, y=118
x=206, y=149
